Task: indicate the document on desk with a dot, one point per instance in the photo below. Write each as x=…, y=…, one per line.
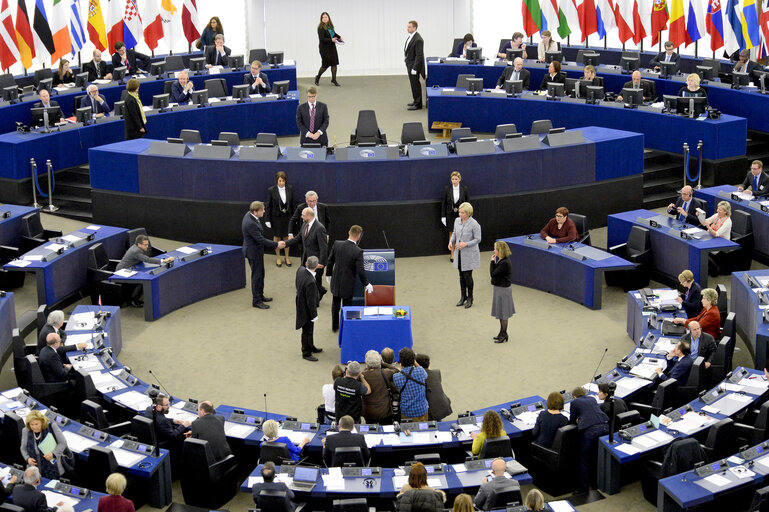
x=20, y=263
x=54, y=498
x=561, y=506
x=125, y=458
x=295, y=436
x=469, y=428
x=629, y=385
x=732, y=403
x=717, y=480
x=55, y=247
x=754, y=386
x=372, y=439
x=400, y=481
x=459, y=468
x=334, y=481
x=76, y=339
x=134, y=400
x=87, y=362
x=125, y=272
x=11, y=393
x=33, y=257
x=78, y=443
x=741, y=472
x=435, y=483
x=82, y=321
x=175, y=412
x=691, y=422
x=423, y=437
x=380, y=310
x=105, y=382
x=70, y=238
x=763, y=461
x=187, y=250
x=238, y=430
x=645, y=371
x=628, y=449
x=443, y=436
x=254, y=480
x=391, y=439
x=660, y=436
x=404, y=439
x=528, y=418
x=664, y=345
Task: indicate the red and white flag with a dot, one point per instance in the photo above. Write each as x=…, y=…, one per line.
x=190, y=21
x=9, y=52
x=153, y=24
x=114, y=23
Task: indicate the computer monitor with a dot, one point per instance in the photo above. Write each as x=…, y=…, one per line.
x=275, y=58
x=235, y=61
x=468, y=139
x=594, y=92
x=197, y=64
x=670, y=102
x=515, y=135
x=475, y=85
x=174, y=140
x=691, y=106
x=160, y=101
x=592, y=59
x=630, y=63
x=740, y=79
x=550, y=56
x=474, y=54
x=240, y=91
x=119, y=73
x=199, y=97
x=633, y=97
x=54, y=115
x=762, y=77
x=513, y=86
x=666, y=69
x=158, y=69
x=84, y=115
x=513, y=53
x=11, y=93
x=556, y=90
x=46, y=83
x=581, y=87
x=280, y=88
x=118, y=108
x=81, y=79
x=360, y=144
x=570, y=83
x=707, y=72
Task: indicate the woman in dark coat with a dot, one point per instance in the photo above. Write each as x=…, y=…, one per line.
x=133, y=113
x=278, y=209
x=207, y=37
x=453, y=195
x=327, y=39
x=501, y=270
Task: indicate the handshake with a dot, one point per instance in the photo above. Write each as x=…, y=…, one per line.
x=282, y=244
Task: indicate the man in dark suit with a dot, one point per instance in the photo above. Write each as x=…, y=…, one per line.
x=217, y=54
x=636, y=83
x=269, y=484
x=210, y=427
x=97, y=68
x=55, y=325
x=28, y=497
x=679, y=363
x=490, y=487
x=592, y=423
x=756, y=180
x=51, y=367
x=254, y=244
x=320, y=209
x=181, y=90
x=166, y=429
x=307, y=306
x=131, y=59
x=413, y=51
x=745, y=65
x=258, y=81
x=343, y=439
x=45, y=100
x=345, y=263
x=515, y=72
x=312, y=119
x=669, y=55
x=97, y=103
x=700, y=343
x=685, y=207
x=312, y=236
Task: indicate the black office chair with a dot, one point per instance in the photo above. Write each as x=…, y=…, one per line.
x=347, y=456
x=695, y=383
x=100, y=269
x=496, y=447
x=77, y=101
x=653, y=85
x=582, y=228
x=681, y=455
x=504, y=129
x=20, y=352
x=742, y=233
x=12, y=425
x=174, y=63
x=350, y=505
x=455, y=45
x=411, y=132
x=273, y=501
x=664, y=398
x=637, y=250
x=167, y=85
x=754, y=434
x=42, y=74
x=133, y=233
x=259, y=54
x=554, y=469
x=719, y=366
x=627, y=418
x=460, y=133
x=541, y=126
x=275, y=452
x=7, y=80
x=502, y=43
x=101, y=461
x=217, y=87
x=205, y=482
x=93, y=413
x=51, y=393
x=367, y=129
x=266, y=138
x=428, y=458
x=504, y=498
x=9, y=507
x=32, y=232
x=232, y=138
x=721, y=441
x=729, y=325
x=190, y=136
x=143, y=429
x=723, y=302
x=760, y=502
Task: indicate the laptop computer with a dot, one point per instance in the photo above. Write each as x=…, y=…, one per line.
x=304, y=479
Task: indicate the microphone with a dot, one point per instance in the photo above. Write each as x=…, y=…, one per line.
x=169, y=394
x=583, y=237
x=592, y=375
x=385, y=237
x=265, y=402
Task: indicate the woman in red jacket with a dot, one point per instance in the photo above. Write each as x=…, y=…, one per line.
x=114, y=501
x=709, y=318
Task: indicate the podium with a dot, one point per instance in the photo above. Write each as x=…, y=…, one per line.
x=380, y=269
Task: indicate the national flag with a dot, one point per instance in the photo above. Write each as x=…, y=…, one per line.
x=76, y=33
x=695, y=21
x=763, y=23
x=550, y=19
x=624, y=17
x=569, y=16
x=532, y=16
x=9, y=52
x=660, y=19
x=97, y=32
x=172, y=22
x=44, y=46
x=715, y=24
x=642, y=13
x=749, y=20
x=190, y=21
x=114, y=23
x=24, y=37
x=153, y=24
x=59, y=22
x=132, y=24
x=605, y=16
x=588, y=22
x=733, y=38
x=678, y=34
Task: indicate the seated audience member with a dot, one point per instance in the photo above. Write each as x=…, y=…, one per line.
x=167, y=430
x=534, y=500
x=97, y=68
x=757, y=181
x=344, y=438
x=7, y=489
x=181, y=90
x=114, y=501
x=64, y=75
x=679, y=364
x=36, y=437
x=411, y=383
x=546, y=45
x=55, y=325
x=463, y=503
x=388, y=359
x=417, y=495
x=51, y=365
x=515, y=72
x=209, y=426
x=491, y=427
x=217, y=54
x=592, y=423
x=490, y=487
x=138, y=253
x=269, y=484
x=514, y=43
x=700, y=344
x=270, y=429
x=329, y=395
x=45, y=100
x=604, y=392
x=549, y=421
x=93, y=99
x=553, y=75
x=439, y=404
x=745, y=65
x=669, y=55
x=131, y=59
x=590, y=74
x=709, y=317
x=28, y=497
x=258, y=81
x=350, y=391
x=636, y=83
x=467, y=42
x=692, y=88
x=720, y=224
x=560, y=229
x=684, y=208
x=377, y=406
x=691, y=298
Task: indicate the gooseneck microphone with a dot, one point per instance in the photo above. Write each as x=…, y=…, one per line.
x=161, y=384
x=265, y=402
x=592, y=376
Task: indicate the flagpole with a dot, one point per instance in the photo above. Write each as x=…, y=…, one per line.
x=695, y=49
x=659, y=42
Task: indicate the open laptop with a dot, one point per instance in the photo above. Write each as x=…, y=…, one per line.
x=304, y=479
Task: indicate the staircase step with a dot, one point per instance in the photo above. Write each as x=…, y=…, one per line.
x=69, y=198
x=73, y=190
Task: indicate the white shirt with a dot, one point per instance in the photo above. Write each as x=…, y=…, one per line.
x=455, y=192
x=329, y=397
x=282, y=193
x=408, y=40
x=312, y=106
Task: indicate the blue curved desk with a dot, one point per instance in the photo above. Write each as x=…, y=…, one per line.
x=749, y=315
x=10, y=227
x=7, y=325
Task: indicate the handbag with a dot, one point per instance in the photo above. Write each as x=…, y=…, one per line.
x=395, y=396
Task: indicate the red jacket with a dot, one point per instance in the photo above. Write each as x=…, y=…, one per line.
x=710, y=321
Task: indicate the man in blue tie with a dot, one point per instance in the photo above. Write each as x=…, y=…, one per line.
x=97, y=103
x=685, y=206
x=756, y=182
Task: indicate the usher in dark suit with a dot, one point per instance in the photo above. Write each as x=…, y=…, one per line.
x=449, y=208
x=344, y=439
x=321, y=122
x=321, y=214
x=415, y=59
x=306, y=308
x=254, y=244
x=95, y=71
x=249, y=79
x=345, y=264
x=691, y=213
x=763, y=183
x=507, y=74
x=314, y=243
x=661, y=58
x=211, y=428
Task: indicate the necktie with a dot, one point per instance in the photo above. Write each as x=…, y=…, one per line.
x=755, y=184
x=667, y=58
x=312, y=118
x=218, y=59
x=515, y=75
x=307, y=231
x=98, y=71
x=93, y=105
x=685, y=206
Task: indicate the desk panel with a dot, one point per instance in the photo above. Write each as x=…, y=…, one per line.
x=749, y=316
x=7, y=325
x=375, y=332
x=10, y=228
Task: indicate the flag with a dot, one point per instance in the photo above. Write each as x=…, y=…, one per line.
x=97, y=32
x=624, y=17
x=532, y=16
x=172, y=22
x=659, y=19
x=695, y=21
x=114, y=23
x=733, y=39
x=642, y=13
x=76, y=33
x=9, y=52
x=678, y=33
x=132, y=24
x=24, y=37
x=569, y=16
x=59, y=23
x=190, y=21
x=763, y=22
x=588, y=21
x=550, y=20
x=715, y=24
x=44, y=46
x=605, y=16
x=749, y=20
x=153, y=24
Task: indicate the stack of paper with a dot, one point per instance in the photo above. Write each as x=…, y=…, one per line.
x=126, y=458
x=105, y=382
x=124, y=272
x=82, y=321
x=373, y=439
x=691, y=422
x=134, y=400
x=629, y=385
x=76, y=339
x=381, y=310
x=754, y=386
x=717, y=480
x=296, y=437
x=186, y=250
x=78, y=443
x=238, y=430
x=255, y=480
x=54, y=499
x=400, y=481
x=88, y=362
x=334, y=479
x=528, y=417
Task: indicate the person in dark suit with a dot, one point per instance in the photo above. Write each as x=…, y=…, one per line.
x=553, y=75
x=345, y=266
x=453, y=195
x=604, y=393
x=467, y=42
x=258, y=81
x=97, y=68
x=343, y=439
x=692, y=88
x=312, y=119
x=277, y=214
x=51, y=367
x=133, y=113
x=685, y=207
x=312, y=236
x=320, y=209
x=669, y=55
x=498, y=483
x=745, y=65
x=679, y=363
x=64, y=76
x=307, y=306
x=254, y=244
x=328, y=38
x=636, y=83
x=700, y=344
x=691, y=299
x=97, y=102
x=181, y=90
x=217, y=54
x=55, y=325
x=413, y=52
x=166, y=429
x=28, y=497
x=45, y=100
x=210, y=427
x=592, y=423
x=269, y=484
x=756, y=181
x=439, y=403
x=549, y=421
x=131, y=59
x=515, y=72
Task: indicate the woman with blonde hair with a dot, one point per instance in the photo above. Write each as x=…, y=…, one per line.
x=114, y=501
x=37, y=437
x=502, y=306
x=464, y=245
x=490, y=428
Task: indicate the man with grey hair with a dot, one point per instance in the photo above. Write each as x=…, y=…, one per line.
x=28, y=497
x=515, y=72
x=254, y=244
x=217, y=54
x=55, y=325
x=312, y=236
x=307, y=306
x=684, y=209
x=350, y=391
x=320, y=210
x=181, y=90
x=377, y=406
x=98, y=105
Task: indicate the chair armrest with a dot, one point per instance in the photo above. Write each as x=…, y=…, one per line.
x=51, y=233
x=618, y=249
x=654, y=467
x=8, y=253
x=383, y=137
x=112, y=265
x=30, y=350
x=643, y=409
x=118, y=429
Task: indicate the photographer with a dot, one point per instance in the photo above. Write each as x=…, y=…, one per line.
x=350, y=391
x=604, y=392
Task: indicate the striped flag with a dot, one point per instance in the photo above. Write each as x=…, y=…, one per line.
x=660, y=19
x=44, y=46
x=190, y=21
x=569, y=16
x=132, y=24
x=624, y=16
x=714, y=24
x=763, y=23
x=114, y=23
x=76, y=33
x=550, y=19
x=588, y=21
x=605, y=16
x=24, y=37
x=642, y=13
x=749, y=19
x=733, y=38
x=9, y=52
x=678, y=34
x=97, y=32
x=153, y=24
x=532, y=16
x=695, y=21
x=59, y=23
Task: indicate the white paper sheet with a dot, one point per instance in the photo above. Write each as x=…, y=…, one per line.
x=400, y=481
x=124, y=272
x=717, y=480
x=82, y=321
x=135, y=400
x=459, y=468
x=54, y=498
x=255, y=480
x=435, y=483
x=333, y=482
x=33, y=257
x=88, y=362
x=78, y=443
x=422, y=437
x=93, y=227
x=126, y=458
x=644, y=441
x=20, y=263
x=628, y=449
x=186, y=250
x=296, y=437
x=561, y=506
x=372, y=439
x=238, y=430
